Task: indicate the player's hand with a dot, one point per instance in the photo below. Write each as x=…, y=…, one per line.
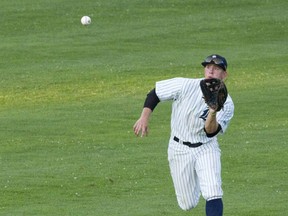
x=141, y=127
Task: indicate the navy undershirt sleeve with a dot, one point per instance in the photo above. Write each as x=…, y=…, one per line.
x=215, y=133
x=151, y=100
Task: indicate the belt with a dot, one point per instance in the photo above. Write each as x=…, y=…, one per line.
x=191, y=145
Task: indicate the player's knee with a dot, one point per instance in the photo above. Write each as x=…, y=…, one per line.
x=186, y=206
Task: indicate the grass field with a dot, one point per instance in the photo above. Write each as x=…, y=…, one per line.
x=70, y=94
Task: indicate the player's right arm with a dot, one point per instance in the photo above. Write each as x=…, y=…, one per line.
x=141, y=125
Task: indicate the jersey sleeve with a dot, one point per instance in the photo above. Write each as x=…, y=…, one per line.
x=225, y=115
x=169, y=89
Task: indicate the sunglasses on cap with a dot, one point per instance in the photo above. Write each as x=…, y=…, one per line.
x=217, y=60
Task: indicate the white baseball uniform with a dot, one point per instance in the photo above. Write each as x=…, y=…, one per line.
x=194, y=171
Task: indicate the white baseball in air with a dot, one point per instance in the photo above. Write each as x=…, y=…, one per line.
x=85, y=20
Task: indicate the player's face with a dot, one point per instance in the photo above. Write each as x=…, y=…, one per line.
x=214, y=71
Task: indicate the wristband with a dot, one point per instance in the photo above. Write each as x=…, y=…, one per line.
x=213, y=114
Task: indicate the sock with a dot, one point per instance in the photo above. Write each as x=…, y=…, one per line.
x=214, y=207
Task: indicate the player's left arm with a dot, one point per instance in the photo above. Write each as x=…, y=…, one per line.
x=218, y=121
x=212, y=127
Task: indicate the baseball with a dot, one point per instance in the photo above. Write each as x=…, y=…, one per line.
x=85, y=20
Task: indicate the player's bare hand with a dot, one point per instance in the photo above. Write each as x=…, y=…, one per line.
x=141, y=127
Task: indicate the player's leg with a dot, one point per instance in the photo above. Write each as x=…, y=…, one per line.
x=208, y=167
x=184, y=177
x=214, y=207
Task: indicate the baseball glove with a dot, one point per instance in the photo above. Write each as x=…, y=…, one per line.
x=214, y=93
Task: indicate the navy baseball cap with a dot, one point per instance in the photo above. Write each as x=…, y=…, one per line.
x=217, y=60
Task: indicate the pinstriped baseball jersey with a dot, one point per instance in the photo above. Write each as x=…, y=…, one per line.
x=189, y=110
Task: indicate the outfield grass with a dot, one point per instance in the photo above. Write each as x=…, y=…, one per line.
x=70, y=95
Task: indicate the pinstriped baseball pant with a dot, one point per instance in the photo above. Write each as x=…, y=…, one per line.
x=195, y=171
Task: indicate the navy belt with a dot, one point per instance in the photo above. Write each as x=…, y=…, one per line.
x=191, y=145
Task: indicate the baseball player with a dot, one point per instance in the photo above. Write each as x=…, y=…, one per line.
x=193, y=151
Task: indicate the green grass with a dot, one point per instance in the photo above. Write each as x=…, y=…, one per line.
x=70, y=95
